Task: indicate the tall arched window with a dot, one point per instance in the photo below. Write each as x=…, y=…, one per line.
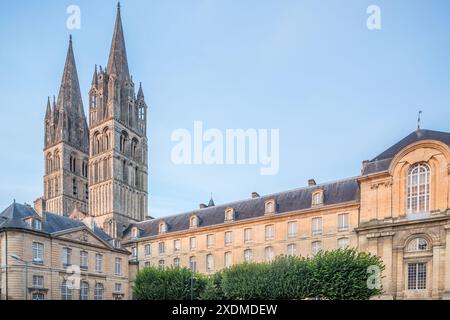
x=98, y=291
x=418, y=189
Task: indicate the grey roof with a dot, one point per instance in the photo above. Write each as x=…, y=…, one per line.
x=298, y=199
x=15, y=215
x=383, y=160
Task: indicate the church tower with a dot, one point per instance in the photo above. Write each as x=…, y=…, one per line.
x=66, y=146
x=118, y=143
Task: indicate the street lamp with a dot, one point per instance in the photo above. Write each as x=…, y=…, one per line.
x=16, y=257
x=192, y=286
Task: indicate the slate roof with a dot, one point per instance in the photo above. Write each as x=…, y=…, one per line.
x=15, y=215
x=383, y=160
x=298, y=199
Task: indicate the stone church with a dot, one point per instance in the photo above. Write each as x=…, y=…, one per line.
x=93, y=214
x=99, y=169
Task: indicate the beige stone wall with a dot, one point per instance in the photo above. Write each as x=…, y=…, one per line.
x=20, y=243
x=302, y=239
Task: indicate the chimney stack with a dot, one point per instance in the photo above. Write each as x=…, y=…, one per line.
x=311, y=182
x=39, y=206
x=255, y=195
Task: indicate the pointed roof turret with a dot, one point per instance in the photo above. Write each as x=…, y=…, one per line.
x=140, y=94
x=211, y=202
x=95, y=77
x=48, y=112
x=117, y=62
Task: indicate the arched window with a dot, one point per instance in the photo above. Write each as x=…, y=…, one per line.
x=134, y=144
x=417, y=244
x=418, y=189
x=106, y=142
x=98, y=291
x=162, y=227
x=317, y=198
x=84, y=290
x=193, y=222
x=123, y=141
x=57, y=160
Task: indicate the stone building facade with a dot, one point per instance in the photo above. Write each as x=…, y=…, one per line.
x=66, y=259
x=398, y=209
x=95, y=205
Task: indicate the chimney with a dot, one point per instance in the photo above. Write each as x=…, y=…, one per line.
x=203, y=206
x=311, y=182
x=364, y=163
x=39, y=206
x=255, y=195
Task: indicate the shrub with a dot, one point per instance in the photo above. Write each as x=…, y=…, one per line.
x=169, y=284
x=334, y=275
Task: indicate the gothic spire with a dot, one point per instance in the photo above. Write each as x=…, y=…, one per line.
x=117, y=62
x=95, y=77
x=69, y=98
x=140, y=94
x=48, y=112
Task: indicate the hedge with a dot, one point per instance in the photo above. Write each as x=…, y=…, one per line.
x=334, y=275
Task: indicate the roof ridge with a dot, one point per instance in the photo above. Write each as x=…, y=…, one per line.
x=247, y=200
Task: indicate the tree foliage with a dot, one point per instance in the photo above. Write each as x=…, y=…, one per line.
x=334, y=275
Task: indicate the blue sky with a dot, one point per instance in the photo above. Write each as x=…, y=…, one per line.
x=338, y=92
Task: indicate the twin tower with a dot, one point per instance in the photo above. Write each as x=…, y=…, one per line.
x=98, y=170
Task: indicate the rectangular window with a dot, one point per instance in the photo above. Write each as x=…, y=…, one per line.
x=248, y=235
x=417, y=276
x=38, y=281
x=343, y=243
x=269, y=253
x=316, y=226
x=192, y=243
x=292, y=229
x=177, y=245
x=210, y=240
x=66, y=257
x=84, y=290
x=162, y=248
x=161, y=264
x=118, y=267
x=38, y=252
x=98, y=262
x=228, y=259
x=193, y=264
x=248, y=255
x=118, y=288
x=133, y=252
x=176, y=262
x=147, y=264
x=37, y=224
x=316, y=246
x=148, y=250
x=38, y=296
x=83, y=260
x=210, y=263
x=343, y=222
x=270, y=232
x=228, y=238
x=291, y=249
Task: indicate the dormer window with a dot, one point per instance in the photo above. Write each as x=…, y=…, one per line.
x=37, y=224
x=162, y=227
x=193, y=222
x=269, y=206
x=134, y=232
x=317, y=198
x=229, y=214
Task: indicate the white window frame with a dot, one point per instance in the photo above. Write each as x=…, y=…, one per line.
x=228, y=238
x=418, y=188
x=99, y=291
x=292, y=227
x=291, y=249
x=84, y=290
x=269, y=232
x=118, y=266
x=316, y=226
x=228, y=259
x=343, y=243
x=343, y=219
x=316, y=246
x=269, y=253
x=148, y=249
x=417, y=276
x=210, y=240
x=248, y=234
x=248, y=255
x=38, y=252
x=98, y=262
x=209, y=262
x=192, y=243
